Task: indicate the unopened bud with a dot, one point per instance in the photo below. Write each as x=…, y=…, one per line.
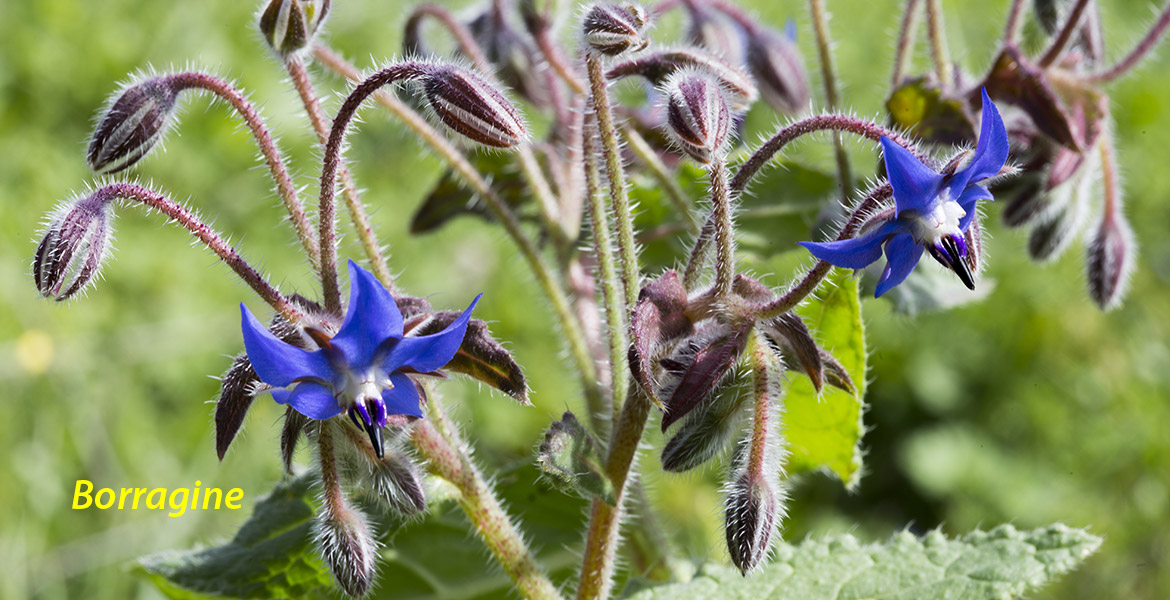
x=572, y=458
x=396, y=479
x=710, y=428
x=346, y=543
x=1051, y=237
x=775, y=62
x=612, y=30
x=473, y=107
x=659, y=65
x=235, y=397
x=973, y=238
x=132, y=123
x=1109, y=261
x=717, y=32
x=789, y=333
x=753, y=510
x=290, y=25
x=698, y=367
x=74, y=243
x=290, y=434
x=480, y=356
x=697, y=116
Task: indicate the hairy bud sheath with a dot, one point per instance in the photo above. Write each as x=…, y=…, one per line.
x=132, y=124
x=709, y=429
x=290, y=25
x=775, y=62
x=346, y=543
x=613, y=30
x=1109, y=261
x=473, y=107
x=697, y=116
x=73, y=246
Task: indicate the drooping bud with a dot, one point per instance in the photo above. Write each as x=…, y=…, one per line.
x=973, y=238
x=1030, y=203
x=1052, y=236
x=697, y=116
x=74, y=242
x=1109, y=260
x=133, y=122
x=480, y=356
x=776, y=64
x=789, y=333
x=290, y=434
x=717, y=32
x=659, y=317
x=291, y=25
x=710, y=428
x=473, y=107
x=835, y=373
x=235, y=397
x=394, y=477
x=612, y=29
x=1016, y=80
x=698, y=367
x=347, y=545
x=659, y=65
x=572, y=458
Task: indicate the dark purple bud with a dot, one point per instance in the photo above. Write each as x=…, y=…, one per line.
x=480, y=357
x=699, y=367
x=697, y=116
x=132, y=123
x=754, y=508
x=795, y=342
x=1031, y=203
x=775, y=62
x=659, y=65
x=612, y=30
x=711, y=428
x=835, y=373
x=1052, y=236
x=658, y=318
x=236, y=392
x=1015, y=80
x=473, y=107
x=514, y=57
x=346, y=543
x=291, y=25
x=74, y=242
x=1109, y=261
x=573, y=459
x=290, y=434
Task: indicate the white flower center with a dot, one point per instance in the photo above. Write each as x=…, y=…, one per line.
x=943, y=221
x=361, y=385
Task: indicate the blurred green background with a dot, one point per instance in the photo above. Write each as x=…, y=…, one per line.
x=1031, y=407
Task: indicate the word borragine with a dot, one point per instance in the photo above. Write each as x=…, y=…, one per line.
x=177, y=501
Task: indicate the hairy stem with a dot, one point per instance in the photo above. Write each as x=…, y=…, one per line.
x=1143, y=49
x=272, y=158
x=463, y=38
x=209, y=237
x=938, y=43
x=906, y=35
x=619, y=195
x=1065, y=36
x=601, y=542
x=330, y=481
x=575, y=337
x=820, y=20
x=1015, y=22
x=353, y=201
x=724, y=230
x=662, y=175
x=449, y=457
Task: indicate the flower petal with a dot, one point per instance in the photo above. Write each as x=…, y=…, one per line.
x=902, y=254
x=915, y=185
x=991, y=152
x=968, y=202
x=403, y=398
x=371, y=318
x=310, y=399
x=858, y=252
x=429, y=352
x=277, y=363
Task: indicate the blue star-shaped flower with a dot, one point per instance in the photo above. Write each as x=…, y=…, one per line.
x=931, y=211
x=362, y=369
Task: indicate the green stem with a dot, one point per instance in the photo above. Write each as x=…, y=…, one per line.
x=724, y=231
x=1065, y=36
x=938, y=44
x=449, y=457
x=828, y=72
x=906, y=35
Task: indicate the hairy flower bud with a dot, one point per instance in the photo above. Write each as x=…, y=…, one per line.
x=612, y=30
x=290, y=25
x=660, y=65
x=754, y=507
x=73, y=245
x=473, y=107
x=697, y=368
x=346, y=543
x=132, y=123
x=775, y=62
x=573, y=459
x=1052, y=236
x=710, y=428
x=1109, y=261
x=697, y=116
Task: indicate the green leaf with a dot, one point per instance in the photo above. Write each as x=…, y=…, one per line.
x=825, y=431
x=270, y=557
x=997, y=564
x=451, y=197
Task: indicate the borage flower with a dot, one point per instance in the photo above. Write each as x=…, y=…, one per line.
x=932, y=211
x=363, y=370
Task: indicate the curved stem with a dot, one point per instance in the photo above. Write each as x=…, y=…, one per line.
x=449, y=457
x=801, y=289
x=328, y=236
x=938, y=43
x=1015, y=22
x=209, y=237
x=601, y=541
x=467, y=44
x=552, y=53
x=619, y=195
x=1143, y=48
x=284, y=183
x=820, y=20
x=834, y=122
x=724, y=230
x=906, y=34
x=1065, y=36
x=575, y=337
x=353, y=201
